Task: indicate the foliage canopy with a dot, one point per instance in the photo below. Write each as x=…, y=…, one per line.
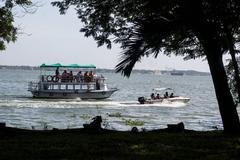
x=150, y=27
x=8, y=32
x=189, y=28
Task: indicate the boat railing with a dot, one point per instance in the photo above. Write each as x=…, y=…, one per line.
x=33, y=86
x=55, y=79
x=97, y=83
x=69, y=86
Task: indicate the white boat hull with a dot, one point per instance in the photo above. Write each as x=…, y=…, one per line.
x=91, y=94
x=177, y=99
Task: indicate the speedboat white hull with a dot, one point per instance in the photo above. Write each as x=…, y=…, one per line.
x=177, y=99
x=159, y=98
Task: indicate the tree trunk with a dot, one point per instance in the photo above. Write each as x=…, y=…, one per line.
x=226, y=104
x=211, y=43
x=234, y=61
x=236, y=73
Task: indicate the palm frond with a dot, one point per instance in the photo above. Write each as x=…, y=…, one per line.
x=134, y=50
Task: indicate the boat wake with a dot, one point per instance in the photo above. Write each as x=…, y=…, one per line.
x=172, y=104
x=78, y=103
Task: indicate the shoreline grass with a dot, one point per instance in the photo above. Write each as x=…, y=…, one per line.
x=109, y=144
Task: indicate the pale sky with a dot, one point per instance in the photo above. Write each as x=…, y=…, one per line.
x=53, y=38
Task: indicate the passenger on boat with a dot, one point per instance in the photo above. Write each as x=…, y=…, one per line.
x=153, y=96
x=57, y=72
x=91, y=76
x=43, y=79
x=97, y=85
x=158, y=96
x=64, y=76
x=79, y=76
x=70, y=76
x=57, y=75
x=166, y=95
x=171, y=95
x=86, y=77
x=94, y=76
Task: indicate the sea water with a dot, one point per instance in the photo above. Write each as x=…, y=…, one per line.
x=120, y=112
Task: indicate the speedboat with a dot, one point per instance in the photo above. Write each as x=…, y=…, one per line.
x=70, y=85
x=161, y=95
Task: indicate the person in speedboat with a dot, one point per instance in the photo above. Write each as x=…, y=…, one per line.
x=158, y=96
x=166, y=95
x=153, y=96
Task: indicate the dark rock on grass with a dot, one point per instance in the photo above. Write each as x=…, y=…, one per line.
x=176, y=127
x=94, y=126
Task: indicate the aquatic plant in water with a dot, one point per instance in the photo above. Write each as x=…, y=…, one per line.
x=117, y=114
x=130, y=122
x=85, y=116
x=73, y=116
x=105, y=123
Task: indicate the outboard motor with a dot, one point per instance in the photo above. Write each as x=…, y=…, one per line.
x=141, y=100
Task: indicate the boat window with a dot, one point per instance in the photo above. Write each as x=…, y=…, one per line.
x=77, y=87
x=55, y=86
x=70, y=87
x=91, y=86
x=84, y=87
x=63, y=87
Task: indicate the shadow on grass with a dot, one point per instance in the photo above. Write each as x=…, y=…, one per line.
x=173, y=142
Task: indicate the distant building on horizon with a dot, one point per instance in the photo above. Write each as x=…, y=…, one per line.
x=176, y=73
x=157, y=72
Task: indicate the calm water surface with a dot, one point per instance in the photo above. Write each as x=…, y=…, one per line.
x=18, y=109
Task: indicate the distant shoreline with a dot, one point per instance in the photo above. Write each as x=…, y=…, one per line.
x=103, y=70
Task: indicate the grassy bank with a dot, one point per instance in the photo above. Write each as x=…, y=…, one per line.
x=78, y=144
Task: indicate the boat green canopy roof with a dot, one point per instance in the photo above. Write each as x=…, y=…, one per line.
x=67, y=66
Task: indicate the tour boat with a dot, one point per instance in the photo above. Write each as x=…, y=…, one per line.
x=68, y=85
x=158, y=97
